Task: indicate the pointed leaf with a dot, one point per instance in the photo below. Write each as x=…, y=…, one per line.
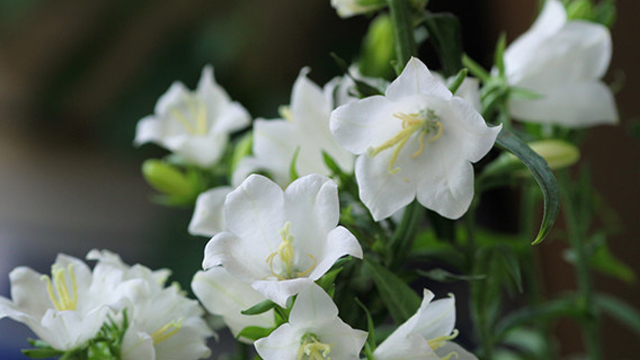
x=259, y=308
x=401, y=301
x=254, y=332
x=620, y=311
x=541, y=173
x=444, y=31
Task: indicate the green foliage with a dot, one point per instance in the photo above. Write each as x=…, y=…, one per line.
x=444, y=32
x=401, y=301
x=620, y=311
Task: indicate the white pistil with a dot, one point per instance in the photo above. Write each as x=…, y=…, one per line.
x=61, y=299
x=424, y=122
x=286, y=254
x=313, y=348
x=166, y=331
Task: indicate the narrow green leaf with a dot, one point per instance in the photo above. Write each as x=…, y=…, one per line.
x=330, y=163
x=254, y=332
x=620, y=311
x=401, y=301
x=541, y=173
x=475, y=69
x=510, y=259
x=499, y=55
x=527, y=315
x=371, y=327
x=293, y=172
x=259, y=308
x=444, y=31
x=444, y=276
x=455, y=85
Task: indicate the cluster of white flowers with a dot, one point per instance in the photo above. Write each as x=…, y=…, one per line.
x=273, y=238
x=70, y=309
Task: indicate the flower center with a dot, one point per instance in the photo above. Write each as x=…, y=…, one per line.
x=286, y=254
x=191, y=113
x=61, y=298
x=166, y=331
x=425, y=122
x=440, y=341
x=313, y=349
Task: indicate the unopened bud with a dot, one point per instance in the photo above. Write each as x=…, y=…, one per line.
x=378, y=49
x=558, y=153
x=167, y=179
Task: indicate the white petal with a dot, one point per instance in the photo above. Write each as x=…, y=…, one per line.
x=313, y=200
x=282, y=344
x=416, y=79
x=450, y=347
x=66, y=330
x=176, y=92
x=273, y=144
x=471, y=138
x=576, y=105
x=279, y=291
x=202, y=151
x=222, y=294
x=148, y=129
x=437, y=319
x=384, y=193
x=137, y=345
x=447, y=186
x=307, y=99
x=410, y=347
x=340, y=242
x=208, y=216
x=186, y=344
x=346, y=342
x=239, y=257
x=232, y=118
x=313, y=308
x=365, y=123
x=254, y=213
x=29, y=293
x=246, y=167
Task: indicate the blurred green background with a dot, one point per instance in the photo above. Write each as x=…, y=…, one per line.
x=75, y=77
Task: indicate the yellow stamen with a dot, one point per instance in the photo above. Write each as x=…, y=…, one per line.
x=61, y=299
x=440, y=340
x=286, y=254
x=194, y=117
x=424, y=122
x=313, y=348
x=285, y=112
x=166, y=331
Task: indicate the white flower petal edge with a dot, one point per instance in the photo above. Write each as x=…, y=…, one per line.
x=349, y=8
x=305, y=126
x=208, y=215
x=224, y=295
x=426, y=335
x=562, y=61
x=313, y=329
x=416, y=141
x=194, y=124
x=281, y=241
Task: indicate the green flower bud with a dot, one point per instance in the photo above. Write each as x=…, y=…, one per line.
x=168, y=179
x=378, y=49
x=558, y=153
x=579, y=10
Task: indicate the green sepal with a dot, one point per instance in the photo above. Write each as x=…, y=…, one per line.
x=475, y=69
x=541, y=173
x=499, y=55
x=328, y=279
x=254, y=332
x=459, y=79
x=259, y=308
x=242, y=149
x=42, y=353
x=293, y=171
x=363, y=89
x=401, y=301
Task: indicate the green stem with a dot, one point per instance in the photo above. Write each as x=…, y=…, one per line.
x=576, y=236
x=403, y=28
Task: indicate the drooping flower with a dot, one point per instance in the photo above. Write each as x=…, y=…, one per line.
x=562, y=62
x=68, y=308
x=163, y=323
x=418, y=140
x=194, y=124
x=224, y=295
x=314, y=331
x=279, y=241
x=304, y=128
x=426, y=335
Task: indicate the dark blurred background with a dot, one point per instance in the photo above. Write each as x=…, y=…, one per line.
x=75, y=77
